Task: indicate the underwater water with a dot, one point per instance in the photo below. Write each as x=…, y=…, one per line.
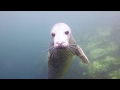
x=25, y=37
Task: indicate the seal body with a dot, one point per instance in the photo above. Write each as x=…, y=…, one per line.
x=61, y=50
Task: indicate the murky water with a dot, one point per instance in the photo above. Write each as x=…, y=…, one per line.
x=24, y=35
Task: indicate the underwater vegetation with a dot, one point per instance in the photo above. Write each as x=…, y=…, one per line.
x=103, y=55
x=102, y=49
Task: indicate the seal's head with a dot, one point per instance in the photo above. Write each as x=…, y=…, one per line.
x=60, y=34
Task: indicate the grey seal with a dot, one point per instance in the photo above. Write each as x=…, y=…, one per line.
x=61, y=50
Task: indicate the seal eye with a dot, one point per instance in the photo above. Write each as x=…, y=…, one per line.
x=66, y=32
x=53, y=34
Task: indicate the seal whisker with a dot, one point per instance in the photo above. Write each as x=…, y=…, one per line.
x=51, y=51
x=70, y=51
x=73, y=48
x=48, y=49
x=54, y=55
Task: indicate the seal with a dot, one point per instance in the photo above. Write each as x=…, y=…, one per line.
x=61, y=50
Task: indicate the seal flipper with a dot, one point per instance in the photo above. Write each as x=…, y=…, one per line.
x=79, y=52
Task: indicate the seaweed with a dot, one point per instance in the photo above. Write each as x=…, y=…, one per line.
x=101, y=54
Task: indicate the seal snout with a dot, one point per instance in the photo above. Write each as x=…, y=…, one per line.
x=60, y=45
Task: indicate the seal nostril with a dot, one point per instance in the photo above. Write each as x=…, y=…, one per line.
x=60, y=44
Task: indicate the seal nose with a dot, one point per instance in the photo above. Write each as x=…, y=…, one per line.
x=59, y=44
